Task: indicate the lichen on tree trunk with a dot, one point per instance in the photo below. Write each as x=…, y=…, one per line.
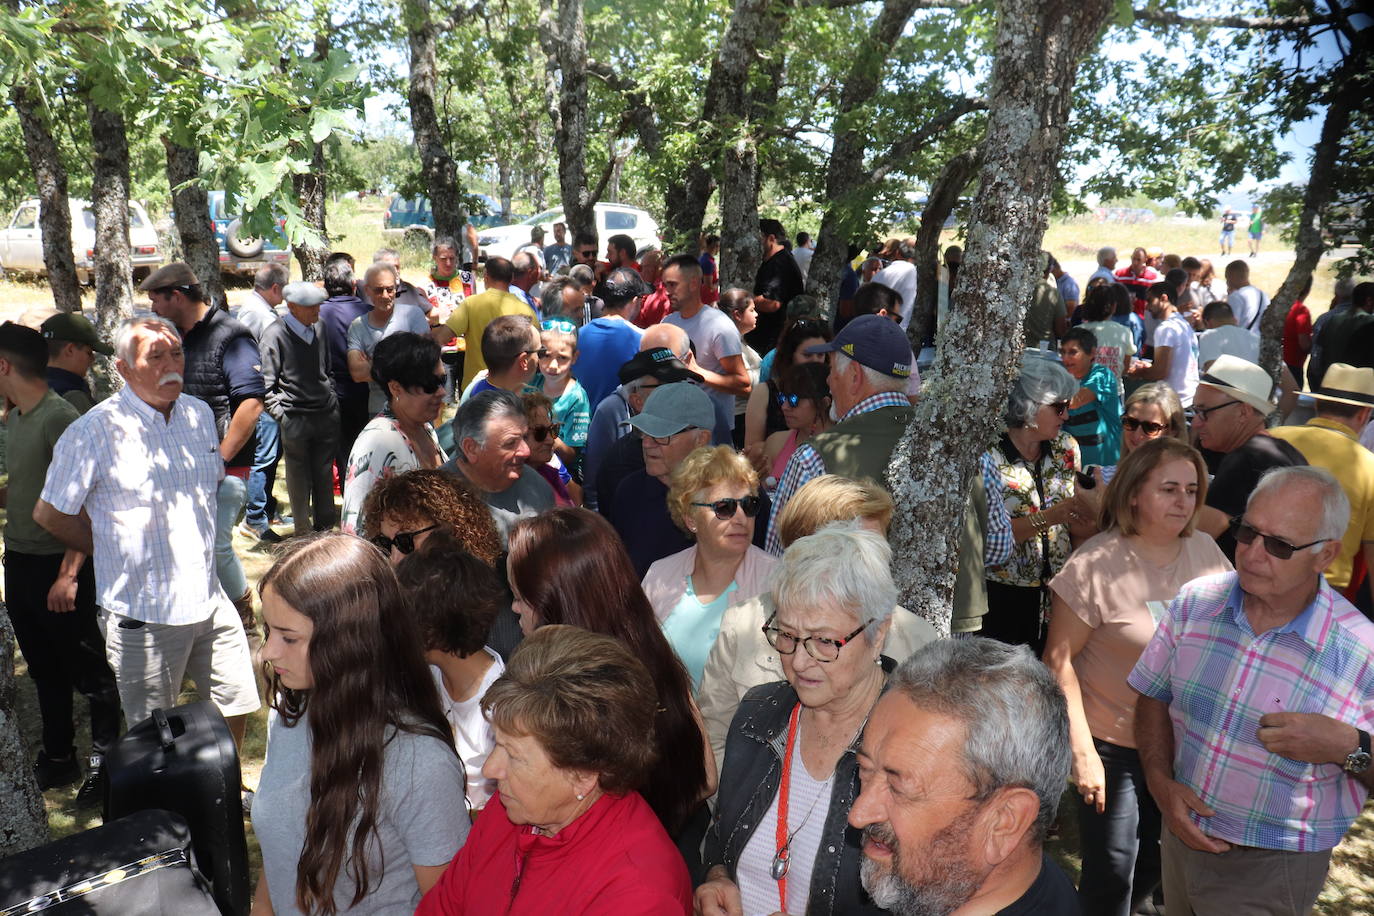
x=563, y=38
x=54, y=206
x=310, y=191
x=110, y=203
x=437, y=168
x=23, y=819
x=191, y=205
x=1039, y=45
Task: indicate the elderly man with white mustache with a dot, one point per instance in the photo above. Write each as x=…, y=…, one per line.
x=133, y=482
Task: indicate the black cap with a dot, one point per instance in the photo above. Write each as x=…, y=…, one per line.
x=658, y=363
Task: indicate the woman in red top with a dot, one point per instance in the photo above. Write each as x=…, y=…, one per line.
x=566, y=831
x=1297, y=334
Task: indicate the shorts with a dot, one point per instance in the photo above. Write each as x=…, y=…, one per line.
x=1256, y=235
x=150, y=660
x=1228, y=236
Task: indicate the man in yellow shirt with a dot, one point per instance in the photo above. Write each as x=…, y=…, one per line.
x=1331, y=440
x=471, y=316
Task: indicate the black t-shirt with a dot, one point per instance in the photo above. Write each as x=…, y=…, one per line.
x=778, y=278
x=1052, y=894
x=1238, y=473
x=623, y=457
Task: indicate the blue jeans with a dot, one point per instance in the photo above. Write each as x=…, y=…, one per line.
x=230, y=497
x=261, y=503
x=1120, y=846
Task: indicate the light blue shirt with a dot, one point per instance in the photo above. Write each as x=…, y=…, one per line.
x=692, y=628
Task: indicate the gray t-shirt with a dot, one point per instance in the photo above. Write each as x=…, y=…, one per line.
x=530, y=495
x=715, y=337
x=422, y=819
x=363, y=337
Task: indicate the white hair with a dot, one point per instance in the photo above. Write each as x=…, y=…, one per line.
x=842, y=565
x=1041, y=382
x=878, y=381
x=129, y=327
x=1105, y=254
x=376, y=268
x=1335, y=505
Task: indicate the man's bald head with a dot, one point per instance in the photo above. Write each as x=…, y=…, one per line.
x=651, y=265
x=667, y=335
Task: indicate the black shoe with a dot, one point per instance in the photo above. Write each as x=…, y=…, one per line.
x=269, y=536
x=92, y=790
x=53, y=774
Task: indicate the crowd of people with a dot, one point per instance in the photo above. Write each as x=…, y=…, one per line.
x=621, y=634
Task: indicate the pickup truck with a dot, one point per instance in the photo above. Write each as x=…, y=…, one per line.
x=240, y=255
x=21, y=241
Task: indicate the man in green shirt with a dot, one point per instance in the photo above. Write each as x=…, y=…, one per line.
x=50, y=590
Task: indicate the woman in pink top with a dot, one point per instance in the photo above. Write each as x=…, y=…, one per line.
x=804, y=396
x=1108, y=599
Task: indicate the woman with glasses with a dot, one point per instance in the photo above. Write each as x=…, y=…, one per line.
x=568, y=566
x=1037, y=461
x=713, y=496
x=804, y=397
x=402, y=511
x=540, y=435
x=1151, y=411
x=407, y=367
x=779, y=841
x=1108, y=599
x=763, y=417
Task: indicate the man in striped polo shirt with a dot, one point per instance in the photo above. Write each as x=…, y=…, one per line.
x=1257, y=698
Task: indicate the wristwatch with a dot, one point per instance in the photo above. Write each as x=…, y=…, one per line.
x=1357, y=761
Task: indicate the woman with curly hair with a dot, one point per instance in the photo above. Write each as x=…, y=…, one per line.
x=402, y=511
x=359, y=807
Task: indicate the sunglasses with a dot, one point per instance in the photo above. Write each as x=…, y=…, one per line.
x=589, y=253
x=404, y=541
x=431, y=386
x=1131, y=424
x=1277, y=548
x=540, y=433
x=542, y=352
x=1059, y=407
x=725, y=508
x=789, y=400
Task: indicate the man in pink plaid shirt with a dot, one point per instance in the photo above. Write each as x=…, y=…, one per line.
x=1257, y=697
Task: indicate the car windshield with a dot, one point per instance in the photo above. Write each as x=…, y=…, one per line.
x=548, y=216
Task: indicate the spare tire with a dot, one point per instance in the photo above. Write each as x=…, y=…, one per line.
x=241, y=247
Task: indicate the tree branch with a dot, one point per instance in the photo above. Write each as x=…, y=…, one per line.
x=1259, y=23
x=462, y=14
x=920, y=5
x=902, y=150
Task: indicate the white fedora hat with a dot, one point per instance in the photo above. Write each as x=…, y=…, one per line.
x=1242, y=380
x=1346, y=384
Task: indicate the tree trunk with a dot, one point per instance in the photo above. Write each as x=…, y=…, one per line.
x=310, y=191
x=192, y=210
x=685, y=206
x=437, y=168
x=54, y=207
x=504, y=180
x=1342, y=97
x=23, y=819
x=110, y=203
x=1038, y=48
x=944, y=194
x=565, y=50
x=728, y=97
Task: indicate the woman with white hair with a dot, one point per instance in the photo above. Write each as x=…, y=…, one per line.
x=779, y=840
x=1037, y=461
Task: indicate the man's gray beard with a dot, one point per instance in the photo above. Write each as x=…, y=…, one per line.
x=951, y=886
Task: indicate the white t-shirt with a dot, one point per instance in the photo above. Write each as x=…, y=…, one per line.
x=1248, y=304
x=1228, y=339
x=802, y=256
x=715, y=337
x=901, y=276
x=471, y=731
x=1175, y=333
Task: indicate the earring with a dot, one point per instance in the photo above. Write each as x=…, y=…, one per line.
x=580, y=796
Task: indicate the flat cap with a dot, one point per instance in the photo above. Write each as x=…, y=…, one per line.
x=170, y=275
x=303, y=293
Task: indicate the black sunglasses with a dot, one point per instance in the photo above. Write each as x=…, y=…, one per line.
x=1277, y=548
x=404, y=541
x=542, y=352
x=540, y=433
x=788, y=400
x=431, y=386
x=725, y=508
x=1151, y=429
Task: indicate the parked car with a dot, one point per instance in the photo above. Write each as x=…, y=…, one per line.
x=245, y=255
x=611, y=219
x=404, y=212
x=21, y=241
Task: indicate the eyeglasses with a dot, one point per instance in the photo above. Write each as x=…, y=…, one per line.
x=430, y=386
x=725, y=508
x=665, y=440
x=589, y=253
x=542, y=352
x=821, y=648
x=1204, y=413
x=1131, y=424
x=1059, y=407
x=789, y=400
x=383, y=290
x=404, y=541
x=1277, y=548
x=540, y=433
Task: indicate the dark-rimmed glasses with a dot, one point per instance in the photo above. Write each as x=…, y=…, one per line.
x=821, y=648
x=725, y=508
x=540, y=433
x=404, y=541
x=667, y=440
x=1131, y=424
x=1059, y=407
x=1276, y=547
x=1205, y=413
x=542, y=352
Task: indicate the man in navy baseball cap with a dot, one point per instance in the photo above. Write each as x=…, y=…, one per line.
x=869, y=373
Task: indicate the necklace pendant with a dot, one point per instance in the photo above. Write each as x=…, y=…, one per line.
x=782, y=861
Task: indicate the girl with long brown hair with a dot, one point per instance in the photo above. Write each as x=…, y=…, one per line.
x=360, y=804
x=569, y=566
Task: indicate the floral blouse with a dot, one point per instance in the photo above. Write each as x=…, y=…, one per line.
x=1059, y=460
x=380, y=451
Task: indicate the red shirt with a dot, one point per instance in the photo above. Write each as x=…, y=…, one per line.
x=1138, y=285
x=655, y=307
x=614, y=860
x=1299, y=321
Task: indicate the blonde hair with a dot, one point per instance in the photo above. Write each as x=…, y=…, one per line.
x=702, y=469
x=832, y=498
x=1117, y=511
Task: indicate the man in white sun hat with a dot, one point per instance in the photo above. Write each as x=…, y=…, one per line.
x=1233, y=397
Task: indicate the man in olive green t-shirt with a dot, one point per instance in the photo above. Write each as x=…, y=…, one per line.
x=50, y=590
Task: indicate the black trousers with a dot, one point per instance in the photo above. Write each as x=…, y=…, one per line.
x=1014, y=616
x=353, y=416
x=64, y=651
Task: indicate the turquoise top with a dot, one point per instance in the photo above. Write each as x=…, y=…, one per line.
x=692, y=628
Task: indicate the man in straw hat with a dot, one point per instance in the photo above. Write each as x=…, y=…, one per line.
x=1233, y=397
x=1331, y=440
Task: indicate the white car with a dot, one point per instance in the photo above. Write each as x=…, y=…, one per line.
x=21, y=241
x=611, y=219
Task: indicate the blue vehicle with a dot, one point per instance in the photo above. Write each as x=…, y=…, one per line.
x=404, y=212
x=245, y=256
